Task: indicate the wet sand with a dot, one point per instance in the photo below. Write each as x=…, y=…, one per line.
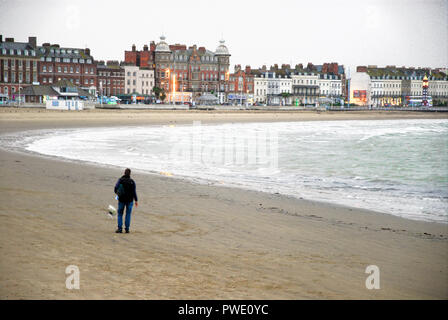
x=191, y=241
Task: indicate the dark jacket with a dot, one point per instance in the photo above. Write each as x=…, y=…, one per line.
x=130, y=193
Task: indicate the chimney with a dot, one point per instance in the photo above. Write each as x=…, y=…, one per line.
x=87, y=51
x=247, y=70
x=9, y=39
x=46, y=44
x=133, y=47
x=152, y=46
x=1, y=38
x=32, y=41
x=145, y=47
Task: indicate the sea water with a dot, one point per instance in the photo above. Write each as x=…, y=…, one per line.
x=398, y=167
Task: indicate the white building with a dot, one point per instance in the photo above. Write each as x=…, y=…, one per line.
x=305, y=88
x=330, y=86
x=138, y=80
x=279, y=89
x=438, y=88
x=412, y=86
x=260, y=89
x=360, y=89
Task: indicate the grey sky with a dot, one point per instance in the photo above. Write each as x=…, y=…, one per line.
x=398, y=32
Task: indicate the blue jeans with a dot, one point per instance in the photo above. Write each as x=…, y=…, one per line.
x=127, y=220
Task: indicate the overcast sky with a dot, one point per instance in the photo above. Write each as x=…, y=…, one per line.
x=390, y=32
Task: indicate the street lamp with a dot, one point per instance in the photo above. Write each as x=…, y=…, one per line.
x=174, y=87
x=169, y=76
x=227, y=78
x=20, y=85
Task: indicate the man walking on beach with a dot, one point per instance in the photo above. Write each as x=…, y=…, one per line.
x=126, y=190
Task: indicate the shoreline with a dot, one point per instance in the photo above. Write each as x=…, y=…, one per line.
x=195, y=241
x=203, y=181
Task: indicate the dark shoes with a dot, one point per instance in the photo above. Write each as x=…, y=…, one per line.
x=120, y=231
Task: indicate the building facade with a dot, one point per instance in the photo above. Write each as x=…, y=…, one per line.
x=260, y=89
x=73, y=64
x=305, y=88
x=18, y=66
x=241, y=86
x=110, y=78
x=142, y=58
x=195, y=70
x=393, y=86
x=360, y=89
x=330, y=86
x=139, y=80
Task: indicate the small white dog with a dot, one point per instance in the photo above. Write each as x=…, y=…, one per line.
x=111, y=210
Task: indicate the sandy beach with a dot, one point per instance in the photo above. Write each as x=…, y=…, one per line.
x=192, y=241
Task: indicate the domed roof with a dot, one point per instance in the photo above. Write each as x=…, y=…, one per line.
x=162, y=46
x=222, y=49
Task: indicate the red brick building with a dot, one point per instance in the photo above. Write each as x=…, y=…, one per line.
x=72, y=64
x=18, y=66
x=143, y=58
x=241, y=85
x=110, y=78
x=195, y=69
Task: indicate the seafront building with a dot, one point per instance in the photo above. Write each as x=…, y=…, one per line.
x=110, y=78
x=18, y=66
x=138, y=80
x=305, y=86
x=178, y=69
x=185, y=74
x=241, y=86
x=396, y=86
x=260, y=89
x=64, y=63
